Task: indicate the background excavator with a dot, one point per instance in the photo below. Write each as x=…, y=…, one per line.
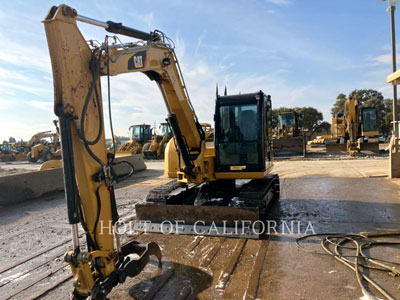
x=357, y=129
x=207, y=172
x=41, y=148
x=289, y=140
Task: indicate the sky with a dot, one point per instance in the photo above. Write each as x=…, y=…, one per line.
x=301, y=52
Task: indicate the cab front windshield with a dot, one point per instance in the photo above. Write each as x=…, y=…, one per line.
x=369, y=119
x=165, y=129
x=285, y=120
x=238, y=135
x=136, y=131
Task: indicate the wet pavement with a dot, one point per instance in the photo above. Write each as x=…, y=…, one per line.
x=332, y=196
x=316, y=196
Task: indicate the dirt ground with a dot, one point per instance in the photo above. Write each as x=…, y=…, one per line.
x=12, y=168
x=349, y=195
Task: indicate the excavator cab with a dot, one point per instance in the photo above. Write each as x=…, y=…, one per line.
x=289, y=123
x=369, y=121
x=241, y=138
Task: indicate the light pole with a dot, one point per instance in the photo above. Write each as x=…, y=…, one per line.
x=391, y=9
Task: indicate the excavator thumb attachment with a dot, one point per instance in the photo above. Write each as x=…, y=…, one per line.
x=127, y=268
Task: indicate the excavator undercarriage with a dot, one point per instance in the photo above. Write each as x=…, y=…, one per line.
x=221, y=208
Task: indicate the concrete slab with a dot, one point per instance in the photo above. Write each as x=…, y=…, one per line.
x=22, y=187
x=394, y=165
x=34, y=184
x=343, y=168
x=330, y=205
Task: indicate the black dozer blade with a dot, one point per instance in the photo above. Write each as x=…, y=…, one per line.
x=289, y=146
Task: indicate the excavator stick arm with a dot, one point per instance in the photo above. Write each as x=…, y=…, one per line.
x=88, y=177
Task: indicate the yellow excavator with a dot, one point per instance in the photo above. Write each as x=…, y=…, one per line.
x=206, y=171
x=357, y=129
x=289, y=140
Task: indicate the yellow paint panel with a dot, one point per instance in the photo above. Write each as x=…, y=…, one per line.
x=241, y=175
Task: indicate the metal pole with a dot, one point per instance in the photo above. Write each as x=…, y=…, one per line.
x=92, y=21
x=391, y=9
x=75, y=236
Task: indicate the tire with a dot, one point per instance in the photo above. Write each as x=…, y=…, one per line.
x=146, y=147
x=47, y=155
x=30, y=158
x=163, y=150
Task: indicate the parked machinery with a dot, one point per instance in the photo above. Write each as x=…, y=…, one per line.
x=357, y=129
x=135, y=143
x=13, y=150
x=145, y=140
x=45, y=145
x=156, y=148
x=289, y=139
x=6, y=153
x=209, y=131
x=206, y=172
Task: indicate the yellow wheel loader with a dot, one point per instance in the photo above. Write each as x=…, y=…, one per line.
x=12, y=151
x=156, y=148
x=289, y=140
x=354, y=131
x=141, y=136
x=144, y=140
x=6, y=153
x=219, y=183
x=18, y=148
